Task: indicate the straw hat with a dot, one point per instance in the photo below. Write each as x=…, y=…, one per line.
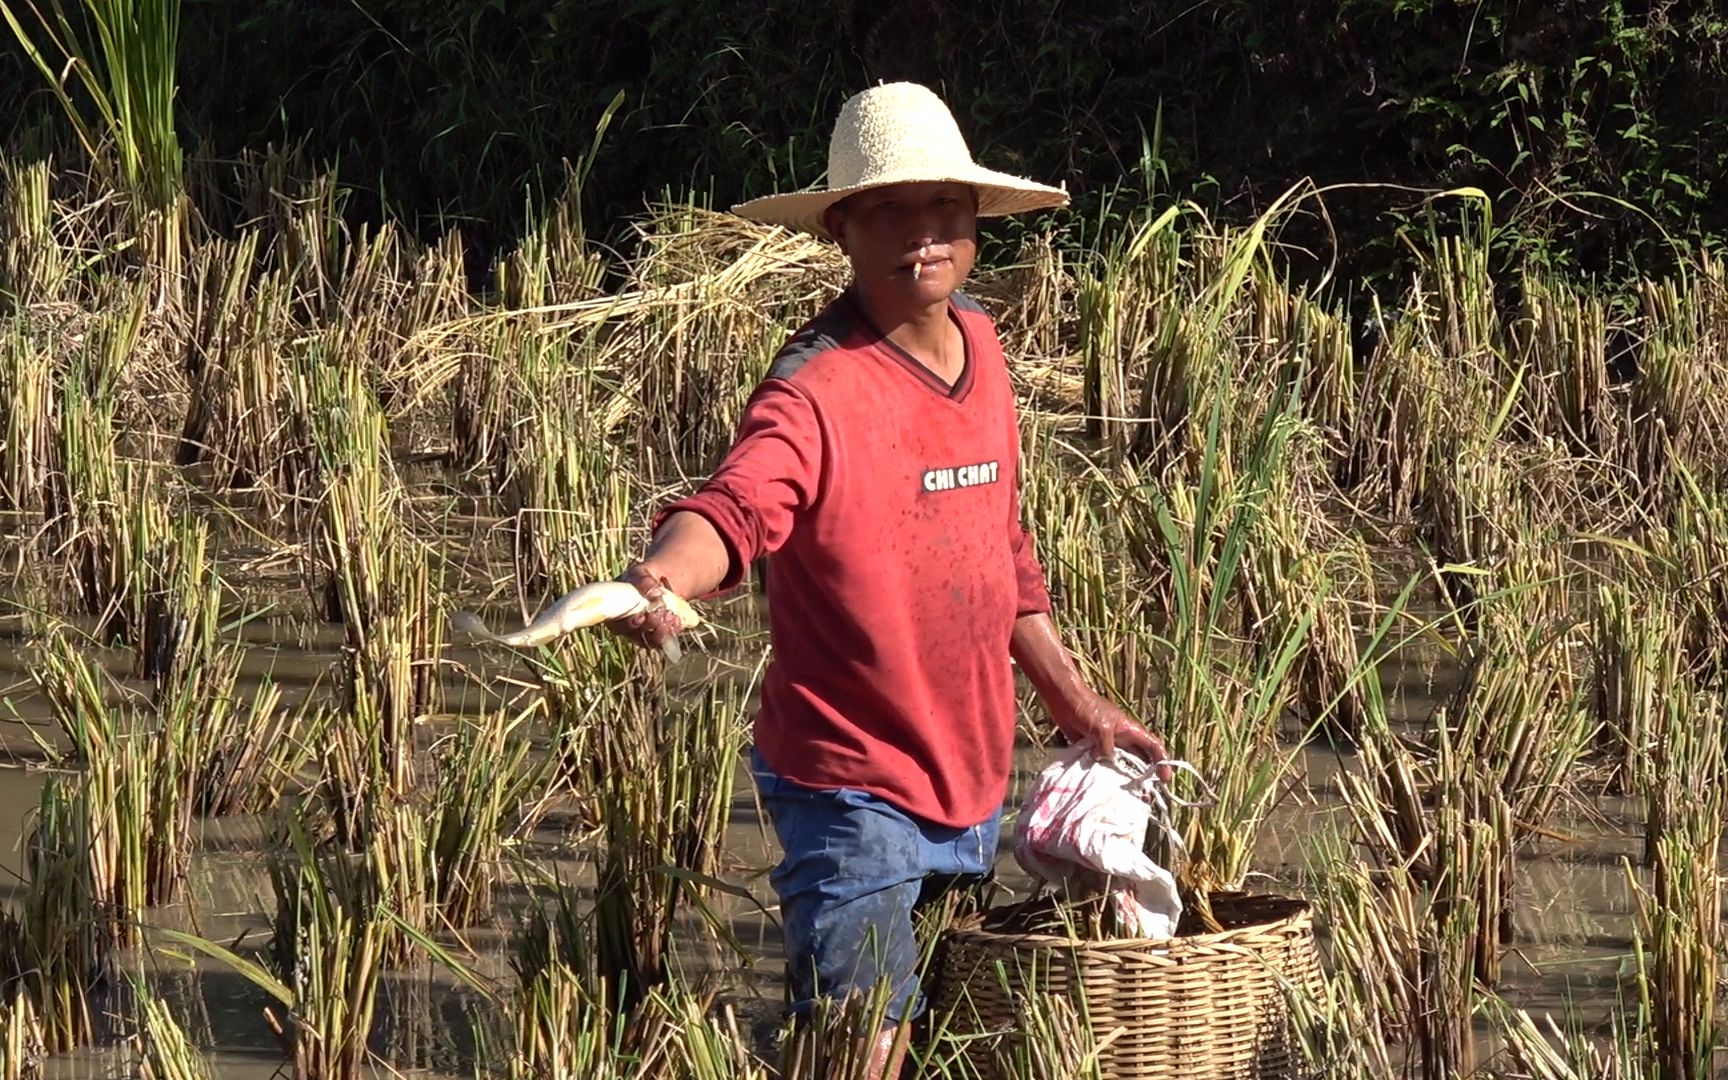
x=893, y=134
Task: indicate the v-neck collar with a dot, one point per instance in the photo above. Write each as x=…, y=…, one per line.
x=916, y=367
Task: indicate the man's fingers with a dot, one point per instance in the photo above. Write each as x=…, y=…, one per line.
x=1106, y=742
x=646, y=583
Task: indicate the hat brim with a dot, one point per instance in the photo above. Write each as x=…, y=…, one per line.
x=999, y=194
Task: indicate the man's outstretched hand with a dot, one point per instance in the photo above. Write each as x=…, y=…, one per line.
x=650, y=629
x=1093, y=716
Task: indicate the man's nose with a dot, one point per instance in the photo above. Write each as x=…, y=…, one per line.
x=923, y=226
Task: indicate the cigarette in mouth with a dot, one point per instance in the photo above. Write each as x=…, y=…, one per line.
x=917, y=269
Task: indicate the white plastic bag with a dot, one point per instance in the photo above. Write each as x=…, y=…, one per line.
x=1085, y=814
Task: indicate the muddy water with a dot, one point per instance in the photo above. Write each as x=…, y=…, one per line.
x=1573, y=923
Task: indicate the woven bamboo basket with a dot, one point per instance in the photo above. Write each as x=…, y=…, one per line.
x=1206, y=1006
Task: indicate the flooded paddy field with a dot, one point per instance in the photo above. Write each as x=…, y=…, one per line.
x=1443, y=624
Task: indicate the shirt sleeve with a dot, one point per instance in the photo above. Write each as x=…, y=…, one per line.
x=1034, y=593
x=770, y=475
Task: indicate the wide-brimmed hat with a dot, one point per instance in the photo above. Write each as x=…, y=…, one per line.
x=899, y=133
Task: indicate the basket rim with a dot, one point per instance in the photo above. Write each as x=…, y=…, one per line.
x=1300, y=914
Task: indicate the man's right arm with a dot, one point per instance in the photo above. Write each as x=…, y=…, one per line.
x=703, y=544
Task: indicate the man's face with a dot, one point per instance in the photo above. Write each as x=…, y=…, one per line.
x=888, y=231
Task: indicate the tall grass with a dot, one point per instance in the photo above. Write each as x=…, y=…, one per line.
x=126, y=70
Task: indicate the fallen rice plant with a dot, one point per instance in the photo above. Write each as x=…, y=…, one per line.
x=163, y=1050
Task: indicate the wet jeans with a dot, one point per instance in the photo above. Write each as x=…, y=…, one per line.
x=854, y=870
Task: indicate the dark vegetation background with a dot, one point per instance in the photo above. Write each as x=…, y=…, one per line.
x=1600, y=129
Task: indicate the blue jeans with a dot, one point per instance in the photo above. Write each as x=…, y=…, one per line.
x=854, y=870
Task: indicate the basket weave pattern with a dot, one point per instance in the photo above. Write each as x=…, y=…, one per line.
x=1195, y=1007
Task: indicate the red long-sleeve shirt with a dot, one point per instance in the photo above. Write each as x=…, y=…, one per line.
x=887, y=505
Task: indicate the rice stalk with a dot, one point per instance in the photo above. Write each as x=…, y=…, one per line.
x=1220, y=700
x=662, y=786
x=484, y=775
x=1561, y=337
x=564, y=1023
x=554, y=262
x=1690, y=553
x=659, y=776
x=163, y=1050
x=226, y=308
x=83, y=494
x=1055, y=1041
x=1127, y=309
x=569, y=490
x=131, y=796
x=376, y=575
x=31, y=410
x=1676, y=398
x=78, y=694
x=1040, y=289
x=1301, y=568
x=1678, y=934
x=1406, y=397
x=707, y=1047
x=66, y=917
x=34, y=265
x=1569, y=1054
x=1374, y=924
x=1639, y=662
x=328, y=946
x=481, y=406
x=21, y=1049
x=1099, y=594
x=242, y=753
x=1413, y=925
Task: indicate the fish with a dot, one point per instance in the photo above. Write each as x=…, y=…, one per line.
x=591, y=605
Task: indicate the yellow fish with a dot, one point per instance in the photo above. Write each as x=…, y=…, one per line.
x=591, y=605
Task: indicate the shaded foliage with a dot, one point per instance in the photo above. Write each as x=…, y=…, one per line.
x=454, y=111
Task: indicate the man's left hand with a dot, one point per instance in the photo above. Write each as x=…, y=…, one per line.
x=1095, y=717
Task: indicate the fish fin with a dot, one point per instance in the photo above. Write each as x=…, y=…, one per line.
x=674, y=652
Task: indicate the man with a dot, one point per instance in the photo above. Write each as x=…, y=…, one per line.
x=877, y=468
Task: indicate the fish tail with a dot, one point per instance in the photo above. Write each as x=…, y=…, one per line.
x=468, y=623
